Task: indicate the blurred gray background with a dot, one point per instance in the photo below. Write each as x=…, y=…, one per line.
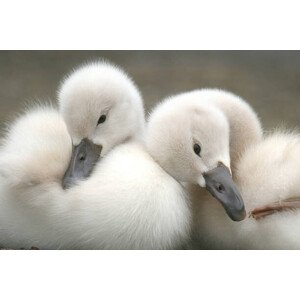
x=269, y=80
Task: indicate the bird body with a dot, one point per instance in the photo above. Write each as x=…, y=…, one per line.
x=135, y=197
x=128, y=203
x=266, y=171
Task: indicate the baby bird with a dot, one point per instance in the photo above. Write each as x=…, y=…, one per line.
x=135, y=198
x=102, y=108
x=98, y=103
x=267, y=174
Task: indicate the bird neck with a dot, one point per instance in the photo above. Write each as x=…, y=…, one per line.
x=244, y=129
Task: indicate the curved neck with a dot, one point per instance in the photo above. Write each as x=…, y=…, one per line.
x=244, y=125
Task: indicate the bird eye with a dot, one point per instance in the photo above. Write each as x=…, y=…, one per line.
x=101, y=119
x=197, y=149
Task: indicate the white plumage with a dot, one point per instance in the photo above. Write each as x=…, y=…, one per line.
x=267, y=170
x=137, y=196
x=132, y=200
x=99, y=89
x=128, y=203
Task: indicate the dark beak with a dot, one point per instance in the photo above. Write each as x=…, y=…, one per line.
x=84, y=158
x=220, y=184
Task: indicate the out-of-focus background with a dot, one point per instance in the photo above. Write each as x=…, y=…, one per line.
x=269, y=80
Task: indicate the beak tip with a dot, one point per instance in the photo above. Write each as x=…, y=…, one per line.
x=238, y=216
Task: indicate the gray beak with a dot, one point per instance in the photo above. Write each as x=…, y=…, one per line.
x=221, y=186
x=84, y=157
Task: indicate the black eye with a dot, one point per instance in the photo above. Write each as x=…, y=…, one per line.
x=101, y=119
x=197, y=149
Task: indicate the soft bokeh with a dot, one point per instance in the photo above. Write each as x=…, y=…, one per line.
x=269, y=80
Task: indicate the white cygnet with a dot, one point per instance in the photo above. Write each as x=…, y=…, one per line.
x=135, y=198
x=267, y=174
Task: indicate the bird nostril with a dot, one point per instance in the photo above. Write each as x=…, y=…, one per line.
x=220, y=188
x=82, y=157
